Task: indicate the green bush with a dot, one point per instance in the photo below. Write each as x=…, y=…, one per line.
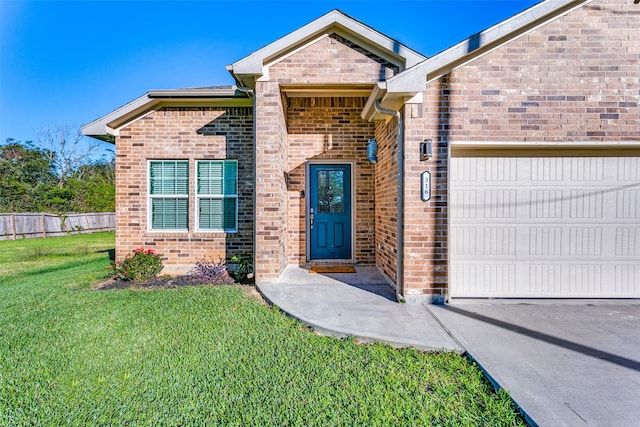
x=243, y=271
x=143, y=264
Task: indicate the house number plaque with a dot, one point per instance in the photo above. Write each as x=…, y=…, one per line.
x=425, y=186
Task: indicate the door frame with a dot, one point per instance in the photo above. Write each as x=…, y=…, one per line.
x=307, y=204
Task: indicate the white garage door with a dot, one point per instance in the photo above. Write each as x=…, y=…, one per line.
x=545, y=227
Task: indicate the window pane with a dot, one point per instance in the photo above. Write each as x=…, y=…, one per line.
x=218, y=178
x=211, y=214
x=330, y=191
x=169, y=177
x=210, y=178
x=217, y=214
x=169, y=214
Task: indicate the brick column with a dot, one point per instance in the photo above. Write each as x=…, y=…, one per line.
x=425, y=231
x=271, y=188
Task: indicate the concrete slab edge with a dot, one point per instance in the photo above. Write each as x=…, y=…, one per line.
x=325, y=331
x=496, y=385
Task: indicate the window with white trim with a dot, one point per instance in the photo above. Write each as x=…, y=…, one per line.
x=217, y=195
x=169, y=194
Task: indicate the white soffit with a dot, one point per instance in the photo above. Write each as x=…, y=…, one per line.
x=305, y=91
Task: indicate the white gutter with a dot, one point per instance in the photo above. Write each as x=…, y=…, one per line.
x=369, y=107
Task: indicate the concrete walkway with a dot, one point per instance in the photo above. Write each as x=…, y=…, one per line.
x=565, y=363
x=361, y=305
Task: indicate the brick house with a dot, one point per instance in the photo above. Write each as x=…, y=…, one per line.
x=529, y=132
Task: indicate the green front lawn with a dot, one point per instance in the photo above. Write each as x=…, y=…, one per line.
x=70, y=355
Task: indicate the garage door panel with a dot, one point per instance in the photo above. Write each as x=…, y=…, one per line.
x=545, y=204
x=627, y=242
x=547, y=169
x=585, y=169
x=545, y=227
x=463, y=242
x=628, y=204
x=585, y=204
x=628, y=169
x=499, y=241
x=627, y=277
x=545, y=279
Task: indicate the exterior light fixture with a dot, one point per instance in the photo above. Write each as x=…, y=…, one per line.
x=372, y=151
x=425, y=150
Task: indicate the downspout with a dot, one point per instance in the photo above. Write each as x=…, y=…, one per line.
x=400, y=207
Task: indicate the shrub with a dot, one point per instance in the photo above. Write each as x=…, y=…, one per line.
x=206, y=270
x=243, y=271
x=143, y=264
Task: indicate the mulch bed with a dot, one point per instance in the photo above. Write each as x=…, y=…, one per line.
x=160, y=282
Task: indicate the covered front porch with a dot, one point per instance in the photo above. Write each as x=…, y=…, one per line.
x=325, y=199
x=319, y=197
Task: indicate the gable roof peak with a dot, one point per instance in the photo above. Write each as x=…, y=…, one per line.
x=249, y=68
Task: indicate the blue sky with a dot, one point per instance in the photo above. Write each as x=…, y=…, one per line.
x=70, y=62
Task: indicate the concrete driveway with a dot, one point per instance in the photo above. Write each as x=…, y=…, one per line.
x=564, y=363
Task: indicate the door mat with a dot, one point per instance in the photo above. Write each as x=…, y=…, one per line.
x=332, y=269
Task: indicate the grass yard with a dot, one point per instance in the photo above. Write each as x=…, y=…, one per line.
x=71, y=355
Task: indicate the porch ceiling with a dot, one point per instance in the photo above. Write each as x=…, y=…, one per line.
x=315, y=91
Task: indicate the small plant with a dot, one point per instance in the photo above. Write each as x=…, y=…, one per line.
x=38, y=252
x=243, y=270
x=63, y=222
x=143, y=264
x=207, y=270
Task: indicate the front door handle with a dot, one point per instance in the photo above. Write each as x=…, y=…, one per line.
x=311, y=218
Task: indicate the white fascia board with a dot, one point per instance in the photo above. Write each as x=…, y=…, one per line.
x=100, y=128
x=415, y=79
x=195, y=93
x=252, y=64
x=390, y=101
x=368, y=111
x=107, y=127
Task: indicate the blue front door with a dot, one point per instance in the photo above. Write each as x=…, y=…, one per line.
x=329, y=215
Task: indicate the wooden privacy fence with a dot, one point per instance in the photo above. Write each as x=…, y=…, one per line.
x=29, y=225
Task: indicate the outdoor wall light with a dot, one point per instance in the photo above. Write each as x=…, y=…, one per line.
x=372, y=151
x=425, y=150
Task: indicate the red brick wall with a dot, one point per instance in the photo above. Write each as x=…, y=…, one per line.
x=329, y=128
x=185, y=133
x=332, y=60
x=386, y=197
x=271, y=186
x=574, y=79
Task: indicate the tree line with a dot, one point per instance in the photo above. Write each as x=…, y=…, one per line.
x=57, y=175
